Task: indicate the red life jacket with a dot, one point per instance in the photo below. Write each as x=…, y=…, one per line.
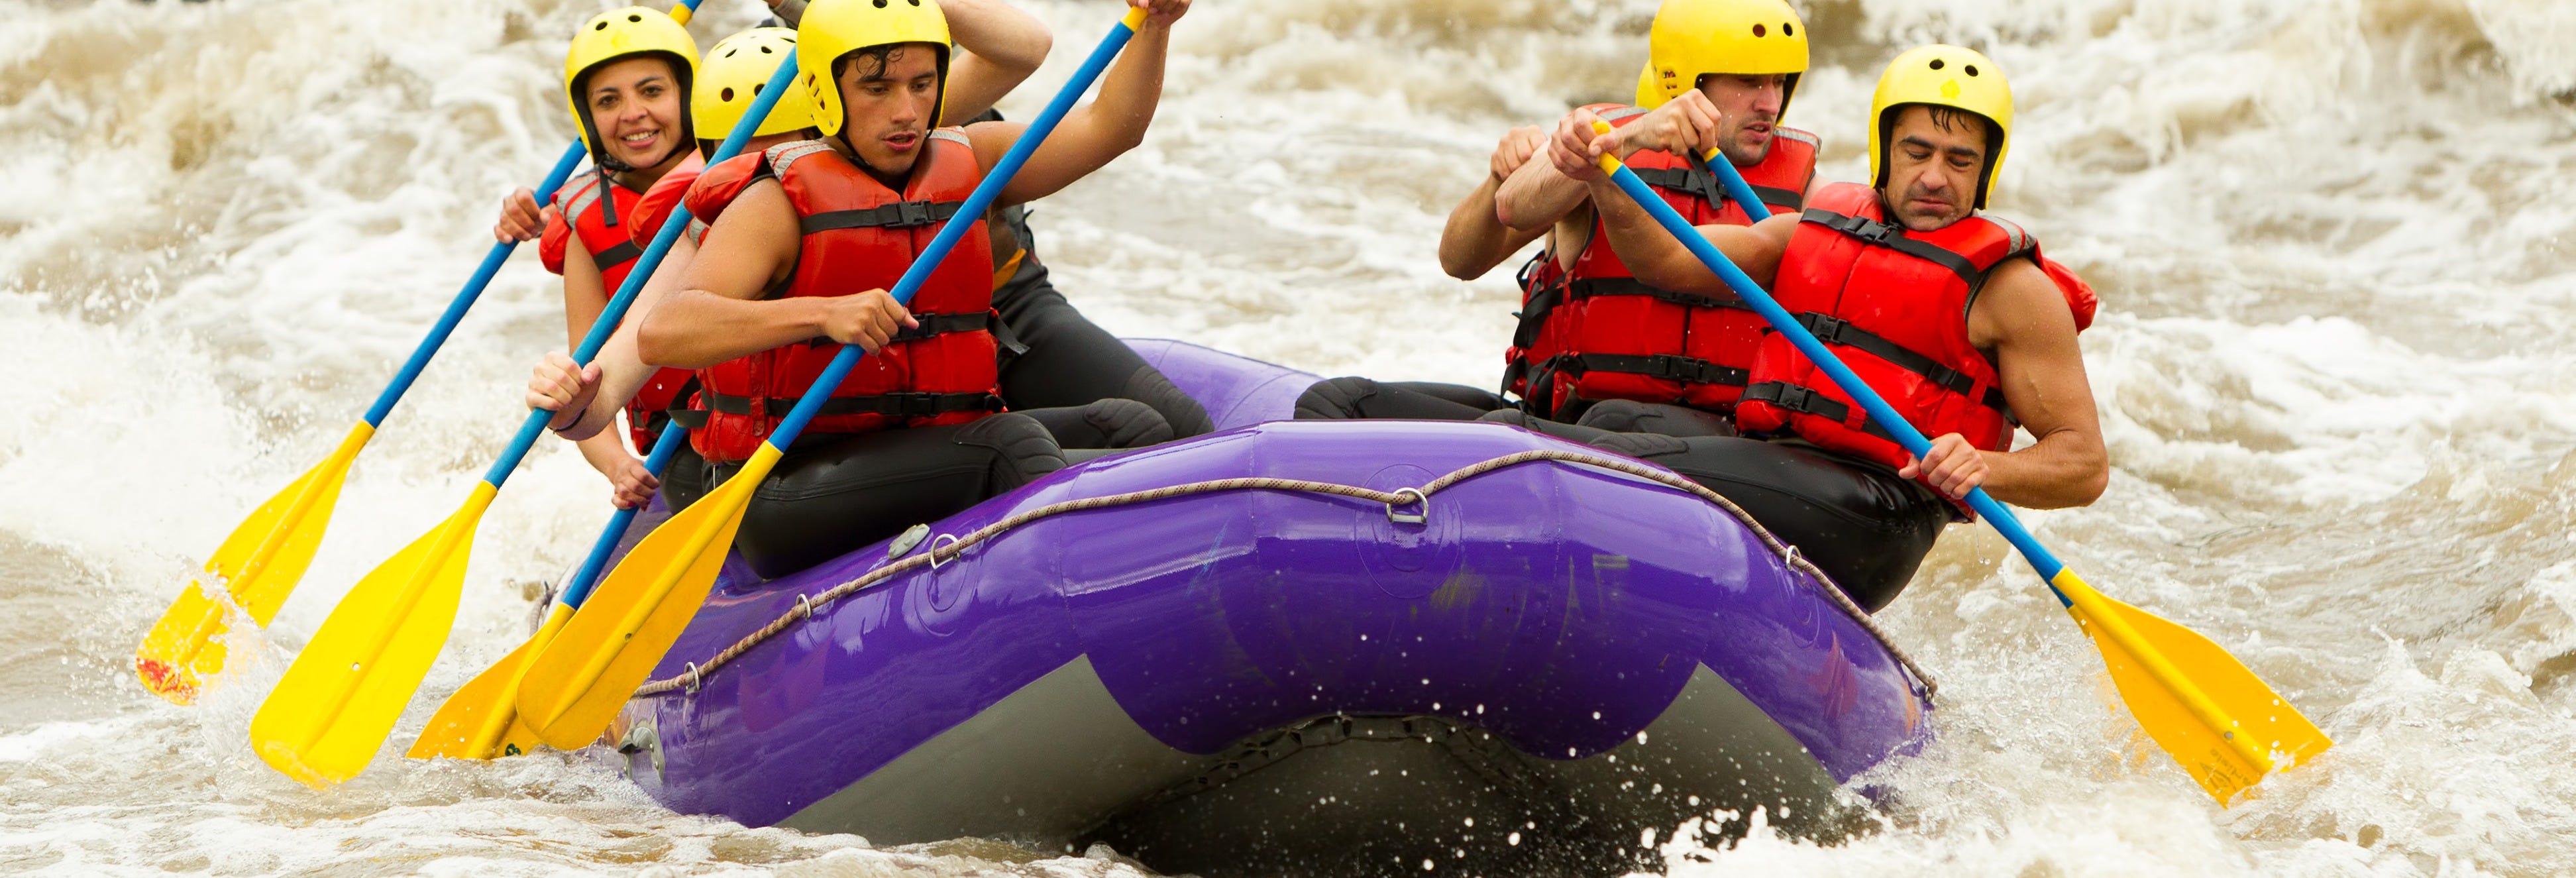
x=599, y=212
x=1893, y=304
x=1594, y=332
x=860, y=235
x=651, y=406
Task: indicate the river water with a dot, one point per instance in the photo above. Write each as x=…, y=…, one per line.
x=2335, y=240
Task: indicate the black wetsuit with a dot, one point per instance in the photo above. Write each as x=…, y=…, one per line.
x=1857, y=521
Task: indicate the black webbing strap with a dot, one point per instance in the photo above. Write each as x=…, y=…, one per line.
x=623, y=253
x=1535, y=308
x=1893, y=237
x=909, y=405
x=1835, y=330
x=1781, y=198
x=1695, y=180
x=1628, y=286
x=899, y=215
x=1687, y=370
x=1802, y=400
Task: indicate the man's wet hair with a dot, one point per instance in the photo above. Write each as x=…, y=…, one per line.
x=1948, y=118
x=877, y=58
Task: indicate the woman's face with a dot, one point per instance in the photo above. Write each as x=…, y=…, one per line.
x=636, y=105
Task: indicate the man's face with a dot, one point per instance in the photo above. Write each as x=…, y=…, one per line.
x=1748, y=108
x=635, y=103
x=1932, y=169
x=890, y=106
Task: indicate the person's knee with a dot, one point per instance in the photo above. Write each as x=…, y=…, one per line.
x=1126, y=423
x=1023, y=450
x=1334, y=399
x=1631, y=416
x=1185, y=416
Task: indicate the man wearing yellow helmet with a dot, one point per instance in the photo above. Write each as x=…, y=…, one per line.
x=1595, y=346
x=1953, y=317
x=804, y=238
x=998, y=47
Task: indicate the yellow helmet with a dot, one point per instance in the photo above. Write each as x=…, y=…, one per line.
x=1695, y=38
x=615, y=34
x=737, y=68
x=1942, y=76
x=833, y=28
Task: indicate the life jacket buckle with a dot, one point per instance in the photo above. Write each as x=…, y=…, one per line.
x=913, y=213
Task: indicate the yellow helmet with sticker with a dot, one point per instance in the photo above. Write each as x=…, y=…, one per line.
x=736, y=69
x=1695, y=38
x=834, y=28
x=615, y=35
x=1942, y=76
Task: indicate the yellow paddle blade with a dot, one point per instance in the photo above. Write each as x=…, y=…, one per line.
x=2242, y=731
x=255, y=568
x=332, y=710
x=632, y=617
x=481, y=721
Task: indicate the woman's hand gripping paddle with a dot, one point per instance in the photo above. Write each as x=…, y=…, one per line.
x=333, y=708
x=259, y=565
x=581, y=679
x=481, y=721
x=2222, y=723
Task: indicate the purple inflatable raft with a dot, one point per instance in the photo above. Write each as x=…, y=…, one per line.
x=1288, y=648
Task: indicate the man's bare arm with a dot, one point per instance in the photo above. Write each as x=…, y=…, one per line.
x=1094, y=133
x=1475, y=240
x=998, y=47
x=2024, y=320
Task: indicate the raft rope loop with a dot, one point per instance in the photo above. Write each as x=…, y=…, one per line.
x=946, y=547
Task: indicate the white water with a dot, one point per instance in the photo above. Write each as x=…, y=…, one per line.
x=2334, y=240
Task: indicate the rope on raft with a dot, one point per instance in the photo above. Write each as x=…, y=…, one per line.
x=941, y=552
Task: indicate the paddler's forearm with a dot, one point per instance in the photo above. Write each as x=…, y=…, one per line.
x=695, y=329
x=1653, y=256
x=2062, y=470
x=999, y=47
x=1094, y=133
x=605, y=452
x=1474, y=240
x=1536, y=197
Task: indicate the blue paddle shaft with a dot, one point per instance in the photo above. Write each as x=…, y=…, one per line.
x=615, y=313
x=464, y=300
x=1737, y=190
x=1879, y=411
x=578, y=589
x=976, y=203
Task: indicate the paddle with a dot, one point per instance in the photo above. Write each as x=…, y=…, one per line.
x=2222, y=723
x=266, y=555
x=481, y=721
x=332, y=709
x=581, y=679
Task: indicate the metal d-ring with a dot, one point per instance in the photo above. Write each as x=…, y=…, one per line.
x=1419, y=501
x=935, y=543
x=1789, y=556
x=805, y=605
x=697, y=677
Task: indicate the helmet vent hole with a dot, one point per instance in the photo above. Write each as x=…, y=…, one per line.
x=755, y=90
x=881, y=4
x=726, y=95
x=1936, y=64
x=1788, y=30
x=602, y=24
x=1758, y=31
x=765, y=50
x=632, y=18
x=1970, y=70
